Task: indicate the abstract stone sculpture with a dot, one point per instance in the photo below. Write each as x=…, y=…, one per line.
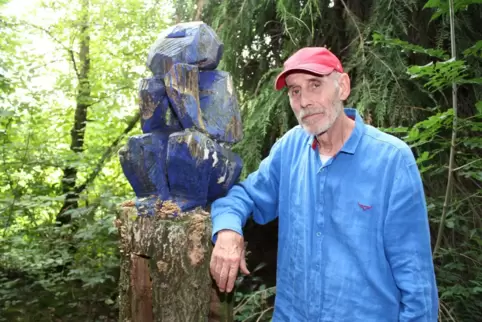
x=180, y=164
x=143, y=162
x=182, y=87
x=204, y=100
x=154, y=107
x=219, y=106
x=190, y=117
x=192, y=43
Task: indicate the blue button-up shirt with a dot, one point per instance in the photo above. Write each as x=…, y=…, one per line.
x=354, y=240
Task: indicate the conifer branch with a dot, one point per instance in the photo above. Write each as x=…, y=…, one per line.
x=352, y=17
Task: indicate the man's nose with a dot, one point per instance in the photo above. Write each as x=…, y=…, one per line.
x=304, y=101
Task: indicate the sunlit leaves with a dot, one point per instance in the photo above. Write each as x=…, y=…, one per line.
x=35, y=122
x=440, y=75
x=442, y=6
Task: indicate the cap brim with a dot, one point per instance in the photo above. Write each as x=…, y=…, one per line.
x=316, y=69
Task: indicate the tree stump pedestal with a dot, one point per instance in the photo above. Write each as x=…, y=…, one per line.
x=165, y=266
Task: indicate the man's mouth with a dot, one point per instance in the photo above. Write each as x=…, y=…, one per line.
x=309, y=116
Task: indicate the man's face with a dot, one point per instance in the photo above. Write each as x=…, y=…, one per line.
x=315, y=100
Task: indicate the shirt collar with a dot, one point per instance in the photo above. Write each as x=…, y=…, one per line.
x=355, y=137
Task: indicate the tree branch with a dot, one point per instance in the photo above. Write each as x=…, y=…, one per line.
x=107, y=154
x=448, y=189
x=69, y=50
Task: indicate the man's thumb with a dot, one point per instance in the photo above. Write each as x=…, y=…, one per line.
x=242, y=265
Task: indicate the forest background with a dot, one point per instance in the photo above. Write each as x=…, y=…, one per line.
x=69, y=72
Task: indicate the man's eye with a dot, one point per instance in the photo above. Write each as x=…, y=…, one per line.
x=315, y=85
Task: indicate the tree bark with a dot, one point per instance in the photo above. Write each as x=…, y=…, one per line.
x=77, y=132
x=165, y=266
x=199, y=10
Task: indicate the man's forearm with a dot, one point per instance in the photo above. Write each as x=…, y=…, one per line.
x=231, y=211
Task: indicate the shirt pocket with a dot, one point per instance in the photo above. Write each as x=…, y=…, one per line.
x=355, y=220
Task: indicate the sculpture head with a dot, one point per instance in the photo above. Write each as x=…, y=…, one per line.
x=317, y=87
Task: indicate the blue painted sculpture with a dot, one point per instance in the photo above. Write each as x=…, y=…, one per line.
x=190, y=117
x=193, y=43
x=182, y=87
x=219, y=106
x=154, y=107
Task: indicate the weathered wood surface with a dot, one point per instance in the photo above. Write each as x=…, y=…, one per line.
x=222, y=306
x=182, y=88
x=143, y=161
x=186, y=167
x=164, y=266
x=192, y=43
x=204, y=100
x=156, y=114
x=219, y=106
x=199, y=169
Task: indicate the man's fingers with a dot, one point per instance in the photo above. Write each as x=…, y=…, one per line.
x=226, y=259
x=212, y=265
x=223, y=277
x=233, y=274
x=232, y=266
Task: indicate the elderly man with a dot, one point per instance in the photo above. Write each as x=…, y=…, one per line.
x=354, y=240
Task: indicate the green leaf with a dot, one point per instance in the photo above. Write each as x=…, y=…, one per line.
x=475, y=50
x=478, y=106
x=441, y=74
x=432, y=4
x=475, y=81
x=477, y=289
x=6, y=113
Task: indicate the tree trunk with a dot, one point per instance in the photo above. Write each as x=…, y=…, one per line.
x=165, y=267
x=77, y=132
x=199, y=10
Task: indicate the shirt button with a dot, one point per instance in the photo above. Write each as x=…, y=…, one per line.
x=318, y=234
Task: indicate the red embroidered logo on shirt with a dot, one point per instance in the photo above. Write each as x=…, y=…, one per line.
x=364, y=207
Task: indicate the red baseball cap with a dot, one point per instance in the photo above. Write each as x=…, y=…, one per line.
x=316, y=60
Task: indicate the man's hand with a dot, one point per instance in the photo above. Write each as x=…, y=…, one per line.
x=228, y=256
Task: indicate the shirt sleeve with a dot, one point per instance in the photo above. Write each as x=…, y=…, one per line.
x=257, y=195
x=407, y=245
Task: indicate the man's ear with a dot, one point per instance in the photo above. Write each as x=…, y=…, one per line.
x=344, y=86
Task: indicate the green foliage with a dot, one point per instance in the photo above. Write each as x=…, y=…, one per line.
x=442, y=7
x=441, y=74
x=379, y=39
x=397, y=55
x=270, y=117
x=253, y=299
x=475, y=50
x=69, y=272
x=459, y=261
x=35, y=262
x=395, y=51
x=254, y=306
